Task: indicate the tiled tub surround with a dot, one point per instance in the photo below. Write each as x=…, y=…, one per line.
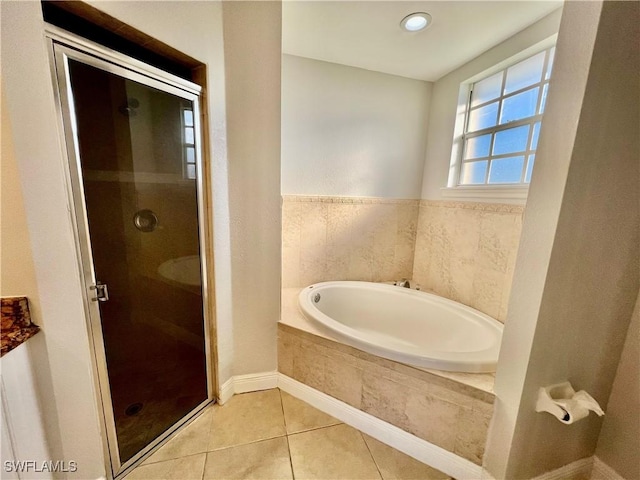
x=451, y=410
x=466, y=252
x=346, y=238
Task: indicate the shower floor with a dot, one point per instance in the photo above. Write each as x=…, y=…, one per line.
x=271, y=435
x=166, y=378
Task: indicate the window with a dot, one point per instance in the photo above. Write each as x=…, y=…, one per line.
x=502, y=123
x=189, y=143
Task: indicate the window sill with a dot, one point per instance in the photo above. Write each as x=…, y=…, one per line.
x=516, y=195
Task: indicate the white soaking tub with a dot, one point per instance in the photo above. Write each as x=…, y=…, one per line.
x=408, y=326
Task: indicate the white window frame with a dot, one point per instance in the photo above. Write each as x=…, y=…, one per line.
x=511, y=193
x=186, y=145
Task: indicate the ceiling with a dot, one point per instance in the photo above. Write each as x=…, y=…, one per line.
x=367, y=34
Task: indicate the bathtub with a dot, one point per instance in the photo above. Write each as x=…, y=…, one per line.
x=408, y=326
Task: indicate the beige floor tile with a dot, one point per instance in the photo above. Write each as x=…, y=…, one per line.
x=185, y=468
x=336, y=453
x=193, y=439
x=247, y=418
x=300, y=416
x=265, y=460
x=395, y=465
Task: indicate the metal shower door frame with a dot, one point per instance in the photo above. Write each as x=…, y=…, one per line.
x=63, y=47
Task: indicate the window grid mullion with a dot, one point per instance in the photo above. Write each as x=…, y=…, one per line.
x=464, y=132
x=512, y=94
x=547, y=55
x=527, y=158
x=501, y=99
x=502, y=155
x=529, y=139
x=545, y=66
x=491, y=144
x=186, y=145
x=486, y=174
x=493, y=130
x=493, y=136
x=524, y=168
x=185, y=170
x=504, y=126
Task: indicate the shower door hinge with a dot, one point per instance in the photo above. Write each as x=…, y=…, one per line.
x=102, y=292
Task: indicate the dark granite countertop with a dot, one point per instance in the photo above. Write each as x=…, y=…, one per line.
x=16, y=326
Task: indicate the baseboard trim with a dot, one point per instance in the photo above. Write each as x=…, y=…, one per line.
x=247, y=383
x=255, y=382
x=421, y=450
x=602, y=471
x=580, y=468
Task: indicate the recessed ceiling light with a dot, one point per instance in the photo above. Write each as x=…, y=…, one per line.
x=416, y=22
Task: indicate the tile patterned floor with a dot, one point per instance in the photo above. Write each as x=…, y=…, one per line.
x=271, y=435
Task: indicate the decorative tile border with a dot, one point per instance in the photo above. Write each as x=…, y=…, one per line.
x=349, y=200
x=485, y=207
x=16, y=323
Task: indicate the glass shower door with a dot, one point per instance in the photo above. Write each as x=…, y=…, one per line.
x=137, y=178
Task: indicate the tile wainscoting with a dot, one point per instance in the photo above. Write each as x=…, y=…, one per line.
x=446, y=413
x=467, y=252
x=464, y=251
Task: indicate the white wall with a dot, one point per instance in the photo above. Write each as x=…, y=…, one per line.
x=31, y=108
x=444, y=104
x=619, y=441
x=576, y=281
x=253, y=49
x=38, y=153
x=351, y=132
x=25, y=381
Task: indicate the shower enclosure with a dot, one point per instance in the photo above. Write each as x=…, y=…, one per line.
x=133, y=142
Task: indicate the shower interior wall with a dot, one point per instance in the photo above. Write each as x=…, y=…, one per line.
x=131, y=162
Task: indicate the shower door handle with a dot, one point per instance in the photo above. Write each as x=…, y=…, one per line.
x=102, y=292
